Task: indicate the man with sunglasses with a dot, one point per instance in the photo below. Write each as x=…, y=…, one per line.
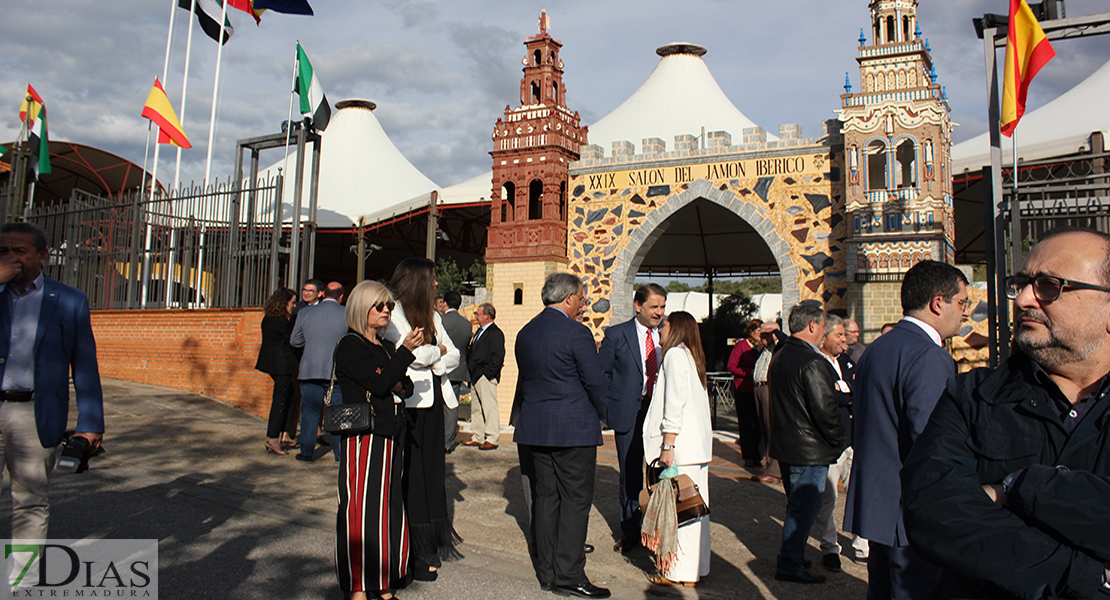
x=1008, y=487
x=897, y=383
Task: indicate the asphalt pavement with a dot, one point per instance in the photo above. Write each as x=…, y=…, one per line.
x=235, y=522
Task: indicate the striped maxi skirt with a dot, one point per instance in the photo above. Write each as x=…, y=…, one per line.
x=372, y=537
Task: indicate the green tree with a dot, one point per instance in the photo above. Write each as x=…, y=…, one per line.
x=477, y=272
x=729, y=320
x=677, y=287
x=448, y=275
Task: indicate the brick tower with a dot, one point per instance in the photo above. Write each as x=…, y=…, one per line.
x=532, y=147
x=897, y=137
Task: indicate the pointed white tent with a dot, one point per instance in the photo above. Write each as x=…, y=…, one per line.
x=1058, y=128
x=680, y=97
x=361, y=171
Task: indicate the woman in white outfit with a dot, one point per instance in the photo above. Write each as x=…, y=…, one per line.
x=678, y=431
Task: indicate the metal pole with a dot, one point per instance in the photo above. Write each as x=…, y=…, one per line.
x=295, y=267
x=310, y=229
x=995, y=193
x=215, y=94
x=433, y=225
x=360, y=271
x=279, y=183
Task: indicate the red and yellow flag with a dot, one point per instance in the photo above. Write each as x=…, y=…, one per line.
x=247, y=6
x=31, y=106
x=1027, y=50
x=159, y=110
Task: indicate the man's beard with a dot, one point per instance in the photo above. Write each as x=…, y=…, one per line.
x=1061, y=347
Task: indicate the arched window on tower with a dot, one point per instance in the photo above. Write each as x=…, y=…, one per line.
x=905, y=158
x=508, y=201
x=563, y=201
x=535, y=199
x=876, y=165
x=877, y=37
x=535, y=92
x=906, y=28
x=555, y=92
x=538, y=58
x=890, y=29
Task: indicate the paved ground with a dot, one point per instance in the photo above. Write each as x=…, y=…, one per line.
x=234, y=522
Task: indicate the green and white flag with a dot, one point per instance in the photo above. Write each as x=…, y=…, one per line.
x=208, y=15
x=314, y=104
x=40, y=148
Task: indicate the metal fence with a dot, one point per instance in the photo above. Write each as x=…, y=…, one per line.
x=195, y=248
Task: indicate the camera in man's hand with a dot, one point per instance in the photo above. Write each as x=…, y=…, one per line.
x=75, y=455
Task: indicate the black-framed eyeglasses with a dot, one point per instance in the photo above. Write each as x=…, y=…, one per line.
x=1046, y=288
x=382, y=305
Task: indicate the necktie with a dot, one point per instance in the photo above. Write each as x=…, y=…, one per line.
x=651, y=364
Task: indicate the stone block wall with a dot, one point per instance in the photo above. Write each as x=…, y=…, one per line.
x=872, y=304
x=208, y=351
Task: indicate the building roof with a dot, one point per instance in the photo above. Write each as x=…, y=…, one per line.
x=679, y=97
x=361, y=171
x=1058, y=128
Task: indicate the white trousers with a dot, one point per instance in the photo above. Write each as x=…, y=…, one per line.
x=839, y=472
x=693, y=539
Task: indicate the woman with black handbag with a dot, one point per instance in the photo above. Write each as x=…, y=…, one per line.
x=276, y=359
x=678, y=431
x=372, y=531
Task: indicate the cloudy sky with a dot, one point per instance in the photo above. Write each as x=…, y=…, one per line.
x=441, y=73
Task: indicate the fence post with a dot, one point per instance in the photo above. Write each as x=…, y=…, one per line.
x=275, y=240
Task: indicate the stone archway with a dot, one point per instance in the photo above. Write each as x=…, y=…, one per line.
x=642, y=239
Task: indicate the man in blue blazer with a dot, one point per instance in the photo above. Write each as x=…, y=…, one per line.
x=899, y=379
x=631, y=372
x=561, y=392
x=45, y=334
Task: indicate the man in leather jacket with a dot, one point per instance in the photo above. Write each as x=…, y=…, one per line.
x=1008, y=486
x=807, y=434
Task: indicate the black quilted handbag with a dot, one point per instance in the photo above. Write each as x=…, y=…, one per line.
x=346, y=419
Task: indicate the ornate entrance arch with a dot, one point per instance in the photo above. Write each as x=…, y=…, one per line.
x=644, y=237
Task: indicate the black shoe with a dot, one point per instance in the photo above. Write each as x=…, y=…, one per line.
x=582, y=590
x=588, y=548
x=860, y=560
x=831, y=562
x=303, y=458
x=627, y=545
x=547, y=587
x=802, y=576
x=806, y=562
x=323, y=441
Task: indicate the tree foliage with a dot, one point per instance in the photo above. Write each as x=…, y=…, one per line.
x=453, y=278
x=729, y=320
x=750, y=286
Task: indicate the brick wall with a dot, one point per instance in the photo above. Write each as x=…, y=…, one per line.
x=207, y=351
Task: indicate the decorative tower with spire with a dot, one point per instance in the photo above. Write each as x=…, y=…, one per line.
x=533, y=145
x=897, y=136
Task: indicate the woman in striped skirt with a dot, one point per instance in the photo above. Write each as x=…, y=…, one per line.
x=372, y=538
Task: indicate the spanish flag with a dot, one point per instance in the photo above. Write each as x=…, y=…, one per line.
x=1027, y=50
x=159, y=110
x=31, y=106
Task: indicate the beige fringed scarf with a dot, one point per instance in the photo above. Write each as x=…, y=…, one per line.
x=660, y=529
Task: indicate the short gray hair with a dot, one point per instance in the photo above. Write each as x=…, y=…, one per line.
x=804, y=314
x=832, y=320
x=488, y=310
x=558, y=286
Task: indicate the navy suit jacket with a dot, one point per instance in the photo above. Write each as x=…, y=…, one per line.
x=560, y=385
x=623, y=363
x=64, y=343
x=899, y=379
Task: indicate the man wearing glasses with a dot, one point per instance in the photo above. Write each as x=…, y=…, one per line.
x=898, y=381
x=1008, y=487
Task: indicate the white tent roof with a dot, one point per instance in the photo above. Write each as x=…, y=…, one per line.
x=1058, y=128
x=679, y=97
x=475, y=189
x=361, y=171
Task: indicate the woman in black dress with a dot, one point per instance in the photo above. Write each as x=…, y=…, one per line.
x=371, y=527
x=275, y=358
x=432, y=535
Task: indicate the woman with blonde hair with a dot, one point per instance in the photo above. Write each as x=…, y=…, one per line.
x=371, y=529
x=433, y=538
x=678, y=431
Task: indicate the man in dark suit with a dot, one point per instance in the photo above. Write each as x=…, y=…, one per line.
x=45, y=335
x=899, y=379
x=631, y=358
x=485, y=356
x=459, y=330
x=562, y=399
x=807, y=434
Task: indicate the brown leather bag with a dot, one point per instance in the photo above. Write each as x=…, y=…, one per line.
x=689, y=503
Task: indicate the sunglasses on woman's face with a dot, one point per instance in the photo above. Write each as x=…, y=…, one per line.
x=381, y=306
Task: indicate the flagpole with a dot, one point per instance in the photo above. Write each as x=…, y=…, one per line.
x=289, y=120
x=184, y=91
x=215, y=92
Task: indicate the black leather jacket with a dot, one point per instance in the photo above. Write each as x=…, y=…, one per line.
x=1053, y=538
x=806, y=428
